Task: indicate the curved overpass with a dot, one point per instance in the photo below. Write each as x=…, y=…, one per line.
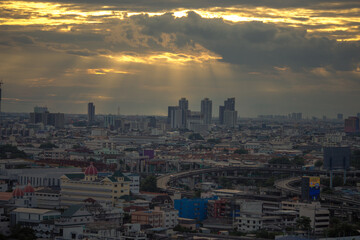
x=163, y=181
x=286, y=185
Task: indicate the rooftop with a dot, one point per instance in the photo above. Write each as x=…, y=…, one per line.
x=34, y=210
x=71, y=211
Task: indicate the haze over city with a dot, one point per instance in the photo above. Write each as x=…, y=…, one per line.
x=274, y=57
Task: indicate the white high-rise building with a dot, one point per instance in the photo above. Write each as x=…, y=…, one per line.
x=206, y=110
x=230, y=118
x=176, y=117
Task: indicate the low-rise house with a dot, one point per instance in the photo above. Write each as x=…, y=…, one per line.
x=35, y=218
x=151, y=217
x=132, y=231
x=48, y=198
x=188, y=223
x=71, y=224
x=104, y=212
x=170, y=216
x=135, y=182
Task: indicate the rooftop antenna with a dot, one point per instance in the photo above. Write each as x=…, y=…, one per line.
x=118, y=111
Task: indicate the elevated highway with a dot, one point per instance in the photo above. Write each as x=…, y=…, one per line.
x=164, y=180
x=286, y=185
x=343, y=203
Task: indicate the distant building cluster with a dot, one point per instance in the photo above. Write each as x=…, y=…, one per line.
x=180, y=117
x=42, y=115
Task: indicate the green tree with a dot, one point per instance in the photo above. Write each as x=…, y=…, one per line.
x=279, y=160
x=195, y=136
x=225, y=183
x=241, y=151
x=298, y=161
x=318, y=163
x=265, y=234
x=303, y=223
x=341, y=229
x=262, y=234
x=23, y=233
x=338, y=181
x=76, y=146
x=197, y=193
x=214, y=140
x=355, y=159
x=149, y=184
x=48, y=145
x=269, y=182
x=9, y=151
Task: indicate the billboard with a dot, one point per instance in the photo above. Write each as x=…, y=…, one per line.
x=337, y=158
x=314, y=188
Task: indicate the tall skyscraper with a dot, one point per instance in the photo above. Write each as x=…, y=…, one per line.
x=230, y=118
x=229, y=105
x=170, y=109
x=184, y=104
x=206, y=110
x=221, y=114
x=38, y=109
x=176, y=117
x=1, y=83
x=91, y=113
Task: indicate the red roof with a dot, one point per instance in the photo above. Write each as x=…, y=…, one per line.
x=91, y=170
x=29, y=188
x=5, y=196
x=18, y=192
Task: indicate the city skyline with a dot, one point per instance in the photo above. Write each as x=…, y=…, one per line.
x=214, y=112
x=273, y=57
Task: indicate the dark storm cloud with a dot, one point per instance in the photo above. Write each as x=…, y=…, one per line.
x=81, y=52
x=252, y=43
x=166, y=5
x=23, y=39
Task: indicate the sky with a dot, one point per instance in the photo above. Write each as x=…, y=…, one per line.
x=273, y=56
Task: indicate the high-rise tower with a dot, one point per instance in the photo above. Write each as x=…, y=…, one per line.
x=184, y=106
x=91, y=113
x=1, y=83
x=229, y=105
x=206, y=110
